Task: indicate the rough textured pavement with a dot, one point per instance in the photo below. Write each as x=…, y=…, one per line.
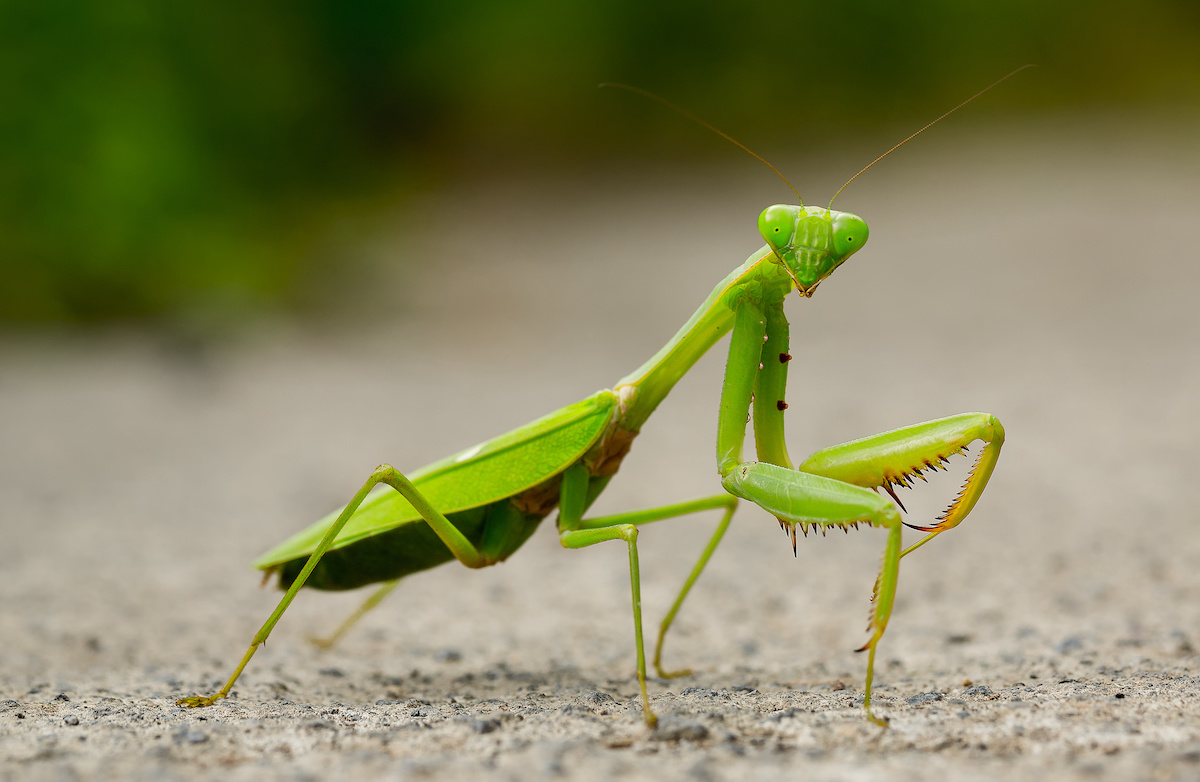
x=1047, y=276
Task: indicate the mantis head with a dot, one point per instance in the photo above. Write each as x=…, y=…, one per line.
x=810, y=241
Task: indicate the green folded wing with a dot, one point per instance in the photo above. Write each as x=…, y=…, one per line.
x=501, y=467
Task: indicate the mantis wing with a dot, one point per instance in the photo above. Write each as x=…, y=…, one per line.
x=501, y=467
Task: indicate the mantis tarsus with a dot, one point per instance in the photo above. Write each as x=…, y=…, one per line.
x=481, y=505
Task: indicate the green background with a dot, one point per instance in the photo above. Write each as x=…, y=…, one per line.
x=163, y=159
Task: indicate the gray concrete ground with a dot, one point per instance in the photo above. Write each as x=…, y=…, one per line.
x=1047, y=276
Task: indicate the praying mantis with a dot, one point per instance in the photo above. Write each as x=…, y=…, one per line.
x=480, y=505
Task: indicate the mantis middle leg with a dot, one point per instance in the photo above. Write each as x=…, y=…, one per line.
x=578, y=532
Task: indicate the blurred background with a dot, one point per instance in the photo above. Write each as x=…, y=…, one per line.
x=249, y=251
x=200, y=164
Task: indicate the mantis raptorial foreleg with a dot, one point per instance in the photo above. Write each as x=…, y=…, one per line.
x=833, y=487
x=899, y=456
x=770, y=387
x=577, y=532
x=812, y=500
x=464, y=551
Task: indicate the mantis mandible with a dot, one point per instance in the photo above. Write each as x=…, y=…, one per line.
x=479, y=506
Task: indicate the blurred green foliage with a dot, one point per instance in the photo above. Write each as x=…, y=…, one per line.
x=158, y=158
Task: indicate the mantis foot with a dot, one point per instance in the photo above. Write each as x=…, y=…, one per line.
x=324, y=643
x=199, y=701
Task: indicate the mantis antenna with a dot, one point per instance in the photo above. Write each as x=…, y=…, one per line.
x=718, y=131
x=922, y=130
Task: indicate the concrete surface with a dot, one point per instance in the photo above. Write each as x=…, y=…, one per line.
x=1047, y=275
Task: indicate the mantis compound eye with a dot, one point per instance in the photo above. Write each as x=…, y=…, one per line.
x=849, y=234
x=777, y=224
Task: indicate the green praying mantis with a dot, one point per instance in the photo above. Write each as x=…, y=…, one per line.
x=480, y=505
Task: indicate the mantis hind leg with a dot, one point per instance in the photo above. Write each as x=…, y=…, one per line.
x=375, y=599
x=464, y=551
